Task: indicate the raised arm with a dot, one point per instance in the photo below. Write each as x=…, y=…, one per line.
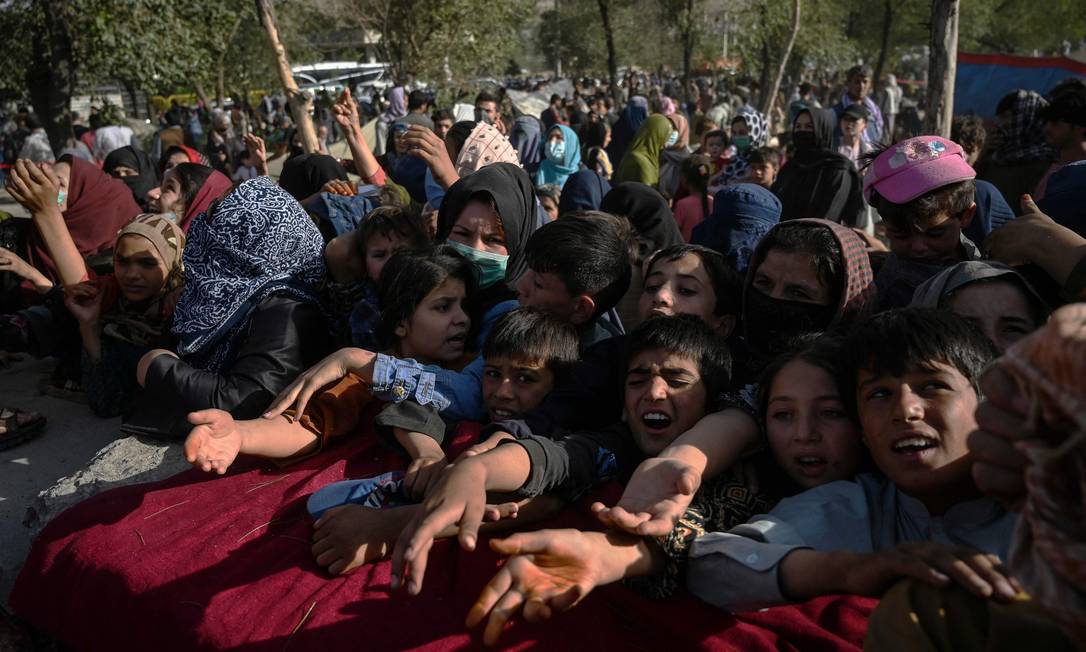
x=36, y=188
x=365, y=163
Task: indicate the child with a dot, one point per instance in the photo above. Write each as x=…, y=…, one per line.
x=675, y=366
x=852, y=124
x=715, y=147
x=355, y=260
x=913, y=375
x=525, y=353
x=428, y=299
x=695, y=202
x=245, y=168
x=803, y=410
x=764, y=164
x=923, y=189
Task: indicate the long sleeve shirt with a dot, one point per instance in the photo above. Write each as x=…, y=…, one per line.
x=739, y=570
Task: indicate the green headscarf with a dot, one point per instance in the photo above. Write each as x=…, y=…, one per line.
x=642, y=160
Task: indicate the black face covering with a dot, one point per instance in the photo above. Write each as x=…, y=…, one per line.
x=772, y=324
x=804, y=140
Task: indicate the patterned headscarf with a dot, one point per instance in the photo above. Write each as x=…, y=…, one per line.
x=759, y=134
x=149, y=325
x=484, y=146
x=1023, y=137
x=258, y=241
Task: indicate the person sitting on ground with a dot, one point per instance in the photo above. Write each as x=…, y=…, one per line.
x=923, y=189
x=248, y=320
x=187, y=190
x=134, y=168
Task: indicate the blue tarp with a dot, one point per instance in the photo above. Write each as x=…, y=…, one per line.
x=984, y=79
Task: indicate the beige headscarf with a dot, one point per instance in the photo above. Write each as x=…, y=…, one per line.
x=484, y=146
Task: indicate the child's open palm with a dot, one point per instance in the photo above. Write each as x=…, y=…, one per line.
x=550, y=570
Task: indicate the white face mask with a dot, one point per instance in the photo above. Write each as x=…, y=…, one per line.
x=672, y=138
x=556, y=151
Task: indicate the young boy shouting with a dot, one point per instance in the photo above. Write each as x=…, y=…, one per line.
x=924, y=191
x=675, y=366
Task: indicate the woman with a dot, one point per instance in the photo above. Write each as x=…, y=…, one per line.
x=176, y=155
x=93, y=204
x=561, y=157
x=749, y=131
x=819, y=182
x=673, y=156
x=992, y=296
x=641, y=163
x=304, y=176
x=1020, y=156
x=468, y=147
x=525, y=139
x=629, y=122
x=741, y=216
x=187, y=190
x=248, y=320
x=135, y=170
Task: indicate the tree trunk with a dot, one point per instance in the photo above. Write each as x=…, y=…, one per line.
x=201, y=94
x=688, y=46
x=300, y=104
x=51, y=77
x=884, y=47
x=220, y=64
x=769, y=97
x=609, y=36
x=130, y=88
x=942, y=67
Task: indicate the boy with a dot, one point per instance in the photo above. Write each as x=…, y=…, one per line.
x=913, y=375
x=923, y=189
x=674, y=366
x=525, y=352
x=764, y=164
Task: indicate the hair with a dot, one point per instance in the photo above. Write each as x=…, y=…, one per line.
x=458, y=135
x=555, y=97
x=487, y=96
x=727, y=286
x=804, y=88
x=818, y=241
x=442, y=114
x=717, y=133
x=552, y=190
x=695, y=171
x=411, y=275
x=765, y=156
x=530, y=334
x=1038, y=310
x=818, y=350
x=954, y=198
x=688, y=337
x=968, y=131
x=416, y=99
x=32, y=121
x=896, y=341
x=592, y=157
x=589, y=251
x=855, y=71
x=392, y=221
x=190, y=178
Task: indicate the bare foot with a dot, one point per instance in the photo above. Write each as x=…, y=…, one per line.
x=349, y=536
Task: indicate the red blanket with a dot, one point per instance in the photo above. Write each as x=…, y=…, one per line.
x=205, y=562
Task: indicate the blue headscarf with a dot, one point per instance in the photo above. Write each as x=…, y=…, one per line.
x=258, y=241
x=556, y=173
x=742, y=215
x=525, y=139
x=584, y=191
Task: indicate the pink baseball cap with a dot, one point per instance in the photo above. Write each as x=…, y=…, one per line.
x=916, y=166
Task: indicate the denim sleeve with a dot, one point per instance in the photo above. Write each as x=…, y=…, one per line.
x=458, y=395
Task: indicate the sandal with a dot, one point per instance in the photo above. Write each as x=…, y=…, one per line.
x=71, y=390
x=19, y=427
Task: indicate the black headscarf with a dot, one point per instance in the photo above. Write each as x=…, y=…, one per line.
x=818, y=182
x=140, y=184
x=514, y=196
x=305, y=175
x=647, y=211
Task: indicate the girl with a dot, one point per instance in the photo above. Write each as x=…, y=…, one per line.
x=248, y=319
x=428, y=300
x=673, y=156
x=561, y=156
x=187, y=190
x=696, y=202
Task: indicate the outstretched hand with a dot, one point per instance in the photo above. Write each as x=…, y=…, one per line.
x=345, y=111
x=334, y=367
x=215, y=441
x=551, y=570
x=655, y=498
x=426, y=145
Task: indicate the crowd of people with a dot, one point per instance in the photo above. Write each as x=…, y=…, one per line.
x=700, y=358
